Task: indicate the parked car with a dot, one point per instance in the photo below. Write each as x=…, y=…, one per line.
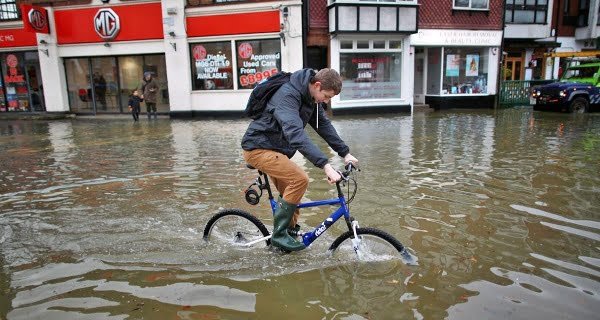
x=578, y=91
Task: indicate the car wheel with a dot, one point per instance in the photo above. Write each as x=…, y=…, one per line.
x=579, y=105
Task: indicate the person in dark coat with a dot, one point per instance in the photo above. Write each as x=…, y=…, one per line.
x=149, y=93
x=272, y=139
x=134, y=104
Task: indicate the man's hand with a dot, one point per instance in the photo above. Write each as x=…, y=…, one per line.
x=350, y=158
x=332, y=175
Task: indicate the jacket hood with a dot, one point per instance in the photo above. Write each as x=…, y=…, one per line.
x=300, y=80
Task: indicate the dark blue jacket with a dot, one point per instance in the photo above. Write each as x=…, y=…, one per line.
x=281, y=126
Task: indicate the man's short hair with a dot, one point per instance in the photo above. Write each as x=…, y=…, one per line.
x=329, y=79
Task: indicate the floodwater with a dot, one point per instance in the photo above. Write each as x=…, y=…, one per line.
x=103, y=219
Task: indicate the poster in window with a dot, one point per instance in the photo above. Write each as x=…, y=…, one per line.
x=452, y=65
x=257, y=60
x=472, y=67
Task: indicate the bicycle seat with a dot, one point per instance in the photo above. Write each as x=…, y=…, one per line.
x=249, y=166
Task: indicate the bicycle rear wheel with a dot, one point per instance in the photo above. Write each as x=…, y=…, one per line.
x=236, y=227
x=375, y=245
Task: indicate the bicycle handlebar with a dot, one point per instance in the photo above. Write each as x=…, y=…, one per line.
x=348, y=168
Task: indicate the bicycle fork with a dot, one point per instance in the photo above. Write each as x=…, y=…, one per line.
x=356, y=240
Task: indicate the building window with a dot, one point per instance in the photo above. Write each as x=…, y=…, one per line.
x=471, y=4
x=255, y=60
x=584, y=11
x=526, y=11
x=212, y=68
x=9, y=10
x=465, y=70
x=372, y=72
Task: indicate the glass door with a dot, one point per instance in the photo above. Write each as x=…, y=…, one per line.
x=78, y=85
x=156, y=65
x=130, y=77
x=513, y=69
x=104, y=84
x=34, y=78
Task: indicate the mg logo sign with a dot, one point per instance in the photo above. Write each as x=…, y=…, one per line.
x=106, y=23
x=37, y=19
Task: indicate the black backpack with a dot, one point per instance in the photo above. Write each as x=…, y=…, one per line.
x=262, y=93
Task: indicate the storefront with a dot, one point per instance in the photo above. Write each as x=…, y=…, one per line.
x=100, y=54
x=370, y=48
x=232, y=48
x=456, y=68
x=21, y=87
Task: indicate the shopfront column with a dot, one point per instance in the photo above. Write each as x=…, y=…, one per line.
x=177, y=56
x=53, y=71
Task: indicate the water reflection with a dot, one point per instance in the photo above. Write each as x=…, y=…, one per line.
x=102, y=219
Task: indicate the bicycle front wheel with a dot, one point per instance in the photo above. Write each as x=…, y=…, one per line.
x=236, y=227
x=373, y=245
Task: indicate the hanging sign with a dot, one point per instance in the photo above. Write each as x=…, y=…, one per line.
x=35, y=19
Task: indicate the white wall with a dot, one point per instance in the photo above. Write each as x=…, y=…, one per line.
x=177, y=55
x=527, y=31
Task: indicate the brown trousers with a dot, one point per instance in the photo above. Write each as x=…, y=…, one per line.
x=289, y=179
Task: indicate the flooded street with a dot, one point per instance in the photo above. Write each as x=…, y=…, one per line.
x=103, y=219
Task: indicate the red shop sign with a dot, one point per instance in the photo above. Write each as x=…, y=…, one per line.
x=119, y=23
x=237, y=23
x=17, y=38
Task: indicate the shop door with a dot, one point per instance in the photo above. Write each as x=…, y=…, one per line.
x=34, y=78
x=419, y=94
x=104, y=85
x=513, y=69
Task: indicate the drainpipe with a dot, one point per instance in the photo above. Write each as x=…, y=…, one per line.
x=500, y=59
x=555, y=36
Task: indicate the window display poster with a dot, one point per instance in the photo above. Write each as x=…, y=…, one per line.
x=257, y=60
x=452, y=65
x=472, y=67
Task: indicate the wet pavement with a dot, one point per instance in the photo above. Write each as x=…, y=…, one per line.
x=103, y=219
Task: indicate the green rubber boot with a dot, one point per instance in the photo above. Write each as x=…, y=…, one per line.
x=282, y=217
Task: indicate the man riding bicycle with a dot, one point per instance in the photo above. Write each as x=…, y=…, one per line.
x=273, y=138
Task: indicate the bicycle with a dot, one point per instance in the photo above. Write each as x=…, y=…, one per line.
x=241, y=228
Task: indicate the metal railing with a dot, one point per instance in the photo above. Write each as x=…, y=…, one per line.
x=517, y=92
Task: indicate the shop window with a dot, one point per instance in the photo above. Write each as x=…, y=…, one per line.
x=465, y=70
x=257, y=60
x=370, y=73
x=9, y=10
x=212, y=68
x=15, y=82
x=471, y=4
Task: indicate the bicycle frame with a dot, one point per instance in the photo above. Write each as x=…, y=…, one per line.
x=342, y=211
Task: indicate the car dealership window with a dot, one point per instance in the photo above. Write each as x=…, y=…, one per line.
x=257, y=60
x=213, y=63
x=370, y=72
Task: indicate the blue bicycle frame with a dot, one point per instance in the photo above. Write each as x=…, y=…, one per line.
x=310, y=237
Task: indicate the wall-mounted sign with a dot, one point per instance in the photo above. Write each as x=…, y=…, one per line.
x=107, y=24
x=471, y=38
x=35, y=19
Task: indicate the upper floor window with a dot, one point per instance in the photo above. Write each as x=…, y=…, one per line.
x=471, y=4
x=9, y=10
x=584, y=11
x=526, y=11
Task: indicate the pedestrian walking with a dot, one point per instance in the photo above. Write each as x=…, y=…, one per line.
x=134, y=104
